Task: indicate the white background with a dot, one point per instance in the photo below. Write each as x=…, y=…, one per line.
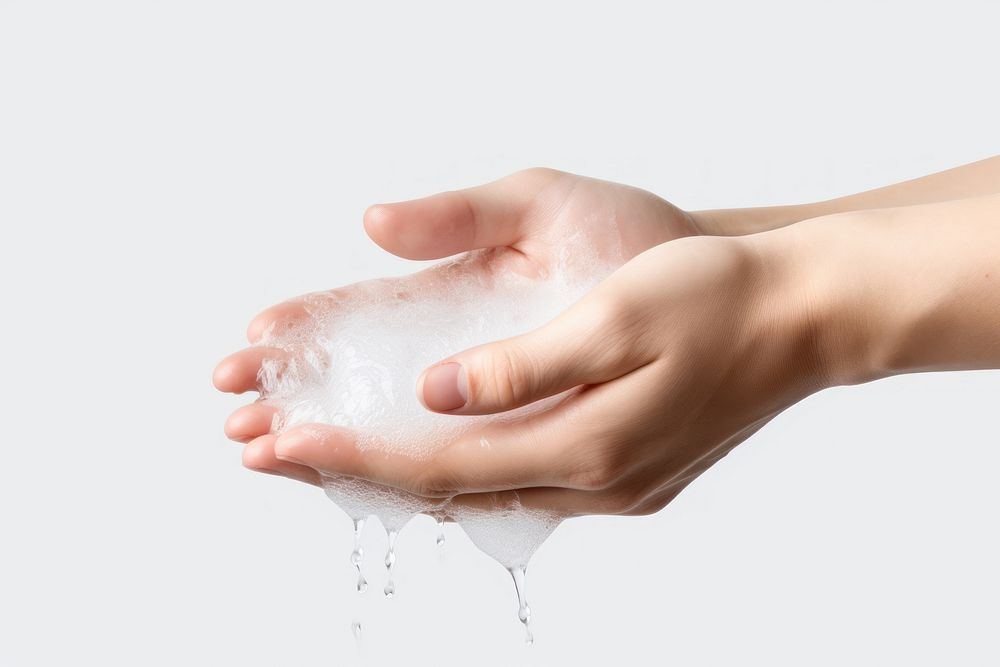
x=167, y=169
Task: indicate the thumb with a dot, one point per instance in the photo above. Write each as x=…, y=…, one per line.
x=586, y=344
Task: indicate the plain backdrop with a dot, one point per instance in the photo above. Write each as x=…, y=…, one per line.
x=167, y=169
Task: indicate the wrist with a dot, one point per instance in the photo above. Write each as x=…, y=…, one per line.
x=891, y=291
x=913, y=289
x=829, y=296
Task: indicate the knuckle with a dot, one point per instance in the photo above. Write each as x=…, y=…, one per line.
x=598, y=475
x=471, y=208
x=592, y=479
x=604, y=463
x=614, y=324
x=434, y=480
x=626, y=500
x=505, y=378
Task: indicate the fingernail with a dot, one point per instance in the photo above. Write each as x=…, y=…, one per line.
x=445, y=387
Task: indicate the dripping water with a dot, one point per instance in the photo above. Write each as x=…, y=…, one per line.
x=440, y=537
x=523, y=611
x=356, y=631
x=358, y=554
x=390, y=560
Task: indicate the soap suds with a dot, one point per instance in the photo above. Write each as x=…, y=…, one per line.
x=354, y=361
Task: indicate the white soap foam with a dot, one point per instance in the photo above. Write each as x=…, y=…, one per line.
x=354, y=362
x=510, y=534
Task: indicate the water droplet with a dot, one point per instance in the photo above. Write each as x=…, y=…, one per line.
x=440, y=537
x=356, y=631
x=390, y=560
x=523, y=610
x=358, y=554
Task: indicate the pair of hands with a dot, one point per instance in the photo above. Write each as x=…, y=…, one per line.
x=684, y=352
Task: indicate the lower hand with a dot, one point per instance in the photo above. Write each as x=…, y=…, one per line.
x=521, y=223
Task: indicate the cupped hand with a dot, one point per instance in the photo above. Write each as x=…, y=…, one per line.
x=676, y=358
x=519, y=223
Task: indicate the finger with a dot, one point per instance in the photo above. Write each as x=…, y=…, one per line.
x=249, y=422
x=590, y=343
x=259, y=457
x=283, y=313
x=302, y=311
x=495, y=457
x=237, y=373
x=336, y=451
x=487, y=216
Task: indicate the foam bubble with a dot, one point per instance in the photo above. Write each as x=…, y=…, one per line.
x=354, y=361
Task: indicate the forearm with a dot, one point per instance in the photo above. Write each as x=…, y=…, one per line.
x=898, y=290
x=971, y=180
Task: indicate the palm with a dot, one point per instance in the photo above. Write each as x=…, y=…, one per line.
x=614, y=218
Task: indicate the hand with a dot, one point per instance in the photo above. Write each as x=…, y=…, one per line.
x=678, y=357
x=521, y=221
x=692, y=346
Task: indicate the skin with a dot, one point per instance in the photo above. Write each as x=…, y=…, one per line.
x=718, y=321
